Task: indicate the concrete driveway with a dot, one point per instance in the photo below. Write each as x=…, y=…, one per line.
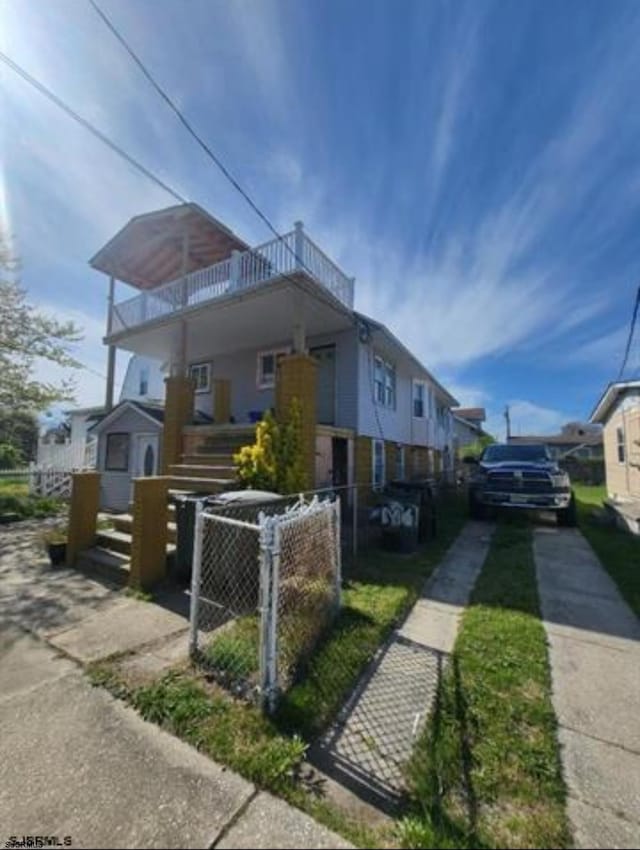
x=594, y=648
x=76, y=762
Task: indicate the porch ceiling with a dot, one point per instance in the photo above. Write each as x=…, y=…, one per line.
x=258, y=318
x=148, y=250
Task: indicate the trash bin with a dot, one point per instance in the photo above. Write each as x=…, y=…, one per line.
x=185, y=515
x=399, y=520
x=425, y=491
x=185, y=519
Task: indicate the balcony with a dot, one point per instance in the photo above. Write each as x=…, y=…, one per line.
x=294, y=253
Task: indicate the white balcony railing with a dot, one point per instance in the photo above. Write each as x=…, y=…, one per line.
x=294, y=252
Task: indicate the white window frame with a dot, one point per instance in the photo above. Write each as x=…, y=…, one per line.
x=414, y=398
x=269, y=383
x=378, y=464
x=621, y=448
x=195, y=371
x=385, y=382
x=400, y=462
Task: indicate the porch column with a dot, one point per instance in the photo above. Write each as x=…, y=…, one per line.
x=297, y=379
x=178, y=412
x=299, y=325
x=111, y=355
x=221, y=400
x=149, y=532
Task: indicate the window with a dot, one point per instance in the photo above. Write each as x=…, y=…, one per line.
x=418, y=399
x=400, y=463
x=384, y=383
x=267, y=366
x=144, y=381
x=200, y=374
x=378, y=464
x=117, y=454
x=620, y=444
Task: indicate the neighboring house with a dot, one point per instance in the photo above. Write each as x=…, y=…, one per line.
x=467, y=427
x=74, y=445
x=577, y=440
x=618, y=412
x=474, y=415
x=143, y=380
x=245, y=330
x=129, y=444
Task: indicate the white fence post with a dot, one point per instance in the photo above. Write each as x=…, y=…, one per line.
x=264, y=603
x=196, y=567
x=269, y=581
x=273, y=618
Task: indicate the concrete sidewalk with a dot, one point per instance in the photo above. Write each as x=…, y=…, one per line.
x=368, y=747
x=594, y=647
x=74, y=761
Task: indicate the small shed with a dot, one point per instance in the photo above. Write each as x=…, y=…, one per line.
x=129, y=445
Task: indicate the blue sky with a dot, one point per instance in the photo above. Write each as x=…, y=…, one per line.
x=474, y=165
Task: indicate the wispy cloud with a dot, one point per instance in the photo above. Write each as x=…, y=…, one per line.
x=600, y=349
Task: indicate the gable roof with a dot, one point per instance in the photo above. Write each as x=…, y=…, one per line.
x=147, y=251
x=153, y=412
x=609, y=397
x=476, y=414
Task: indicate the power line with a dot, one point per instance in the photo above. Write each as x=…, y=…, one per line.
x=630, y=337
x=27, y=77
x=188, y=126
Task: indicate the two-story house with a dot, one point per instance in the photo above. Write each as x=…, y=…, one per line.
x=243, y=330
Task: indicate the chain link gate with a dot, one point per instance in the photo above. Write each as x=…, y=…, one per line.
x=264, y=591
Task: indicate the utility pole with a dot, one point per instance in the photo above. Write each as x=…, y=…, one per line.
x=507, y=417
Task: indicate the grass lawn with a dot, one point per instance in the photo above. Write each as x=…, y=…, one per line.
x=379, y=590
x=13, y=486
x=618, y=550
x=486, y=772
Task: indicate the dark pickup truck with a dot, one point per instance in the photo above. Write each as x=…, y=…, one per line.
x=519, y=476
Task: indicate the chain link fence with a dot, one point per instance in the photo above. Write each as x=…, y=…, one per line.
x=265, y=588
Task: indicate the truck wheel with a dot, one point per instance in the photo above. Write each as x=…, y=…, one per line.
x=567, y=517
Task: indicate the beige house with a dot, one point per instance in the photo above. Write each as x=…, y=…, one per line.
x=618, y=411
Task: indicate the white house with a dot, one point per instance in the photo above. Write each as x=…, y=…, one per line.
x=143, y=381
x=242, y=330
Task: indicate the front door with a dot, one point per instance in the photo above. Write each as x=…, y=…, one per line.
x=146, y=455
x=326, y=383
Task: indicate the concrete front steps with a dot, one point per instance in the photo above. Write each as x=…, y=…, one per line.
x=110, y=557
x=227, y=440
x=210, y=469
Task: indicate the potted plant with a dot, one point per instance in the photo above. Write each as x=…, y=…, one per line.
x=55, y=541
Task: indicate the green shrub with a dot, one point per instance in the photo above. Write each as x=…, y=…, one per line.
x=10, y=456
x=27, y=507
x=274, y=461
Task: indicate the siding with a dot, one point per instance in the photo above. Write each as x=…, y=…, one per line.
x=398, y=425
x=115, y=487
x=131, y=384
x=241, y=370
x=623, y=479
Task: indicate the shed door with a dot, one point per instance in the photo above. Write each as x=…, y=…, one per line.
x=326, y=386
x=146, y=455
